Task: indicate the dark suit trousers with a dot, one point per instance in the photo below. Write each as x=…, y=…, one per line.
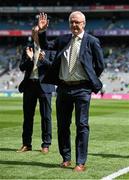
x=68, y=97
x=32, y=93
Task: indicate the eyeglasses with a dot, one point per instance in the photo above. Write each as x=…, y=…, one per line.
x=76, y=22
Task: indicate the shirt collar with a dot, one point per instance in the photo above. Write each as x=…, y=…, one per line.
x=80, y=35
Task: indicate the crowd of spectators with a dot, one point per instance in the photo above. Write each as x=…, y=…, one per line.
x=117, y=58
x=10, y=75
x=58, y=22
x=115, y=76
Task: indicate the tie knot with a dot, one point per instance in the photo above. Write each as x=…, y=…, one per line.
x=75, y=38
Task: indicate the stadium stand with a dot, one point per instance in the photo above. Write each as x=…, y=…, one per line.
x=107, y=20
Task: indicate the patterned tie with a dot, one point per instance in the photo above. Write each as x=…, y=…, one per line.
x=73, y=55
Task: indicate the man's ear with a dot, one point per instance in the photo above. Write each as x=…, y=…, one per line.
x=84, y=24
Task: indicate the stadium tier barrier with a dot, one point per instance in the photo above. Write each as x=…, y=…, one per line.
x=15, y=93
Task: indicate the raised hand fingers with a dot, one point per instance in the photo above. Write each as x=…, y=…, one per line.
x=42, y=21
x=29, y=52
x=29, y=49
x=42, y=16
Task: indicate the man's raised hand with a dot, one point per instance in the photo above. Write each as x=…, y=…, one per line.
x=42, y=21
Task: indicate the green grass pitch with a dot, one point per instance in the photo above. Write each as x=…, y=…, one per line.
x=108, y=143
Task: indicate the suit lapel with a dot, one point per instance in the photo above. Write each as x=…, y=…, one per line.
x=82, y=48
x=68, y=40
x=83, y=45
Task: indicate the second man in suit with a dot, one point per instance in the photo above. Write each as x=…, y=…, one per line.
x=33, y=89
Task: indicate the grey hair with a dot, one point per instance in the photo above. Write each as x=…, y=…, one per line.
x=80, y=13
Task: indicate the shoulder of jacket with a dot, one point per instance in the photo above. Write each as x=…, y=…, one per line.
x=91, y=37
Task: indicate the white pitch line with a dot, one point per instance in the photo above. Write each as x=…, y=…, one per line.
x=116, y=174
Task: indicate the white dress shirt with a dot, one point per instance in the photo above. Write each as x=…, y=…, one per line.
x=65, y=59
x=34, y=74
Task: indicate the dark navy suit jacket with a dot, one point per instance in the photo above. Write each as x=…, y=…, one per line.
x=27, y=65
x=91, y=57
